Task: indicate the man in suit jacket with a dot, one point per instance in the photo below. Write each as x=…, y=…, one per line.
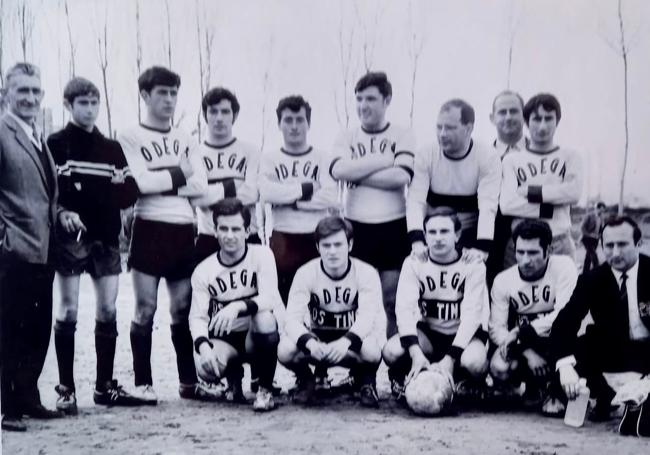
x=618, y=295
x=28, y=212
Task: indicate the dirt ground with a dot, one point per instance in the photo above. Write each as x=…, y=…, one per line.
x=178, y=426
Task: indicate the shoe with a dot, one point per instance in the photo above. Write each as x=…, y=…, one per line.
x=255, y=385
x=200, y=391
x=322, y=383
x=13, y=424
x=602, y=412
x=67, y=401
x=114, y=395
x=39, y=411
x=234, y=393
x=532, y=396
x=470, y=390
x=263, y=400
x=553, y=407
x=369, y=397
x=145, y=394
x=397, y=389
x=305, y=390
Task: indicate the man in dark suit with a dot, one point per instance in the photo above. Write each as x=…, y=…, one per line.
x=618, y=295
x=28, y=212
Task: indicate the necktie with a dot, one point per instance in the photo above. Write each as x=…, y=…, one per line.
x=36, y=137
x=623, y=293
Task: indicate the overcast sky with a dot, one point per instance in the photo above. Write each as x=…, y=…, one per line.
x=560, y=46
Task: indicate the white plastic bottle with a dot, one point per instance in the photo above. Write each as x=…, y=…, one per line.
x=576, y=409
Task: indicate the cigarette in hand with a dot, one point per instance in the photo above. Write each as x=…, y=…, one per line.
x=79, y=236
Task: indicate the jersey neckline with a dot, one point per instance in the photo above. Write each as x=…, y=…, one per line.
x=347, y=270
x=222, y=146
x=157, y=130
x=379, y=131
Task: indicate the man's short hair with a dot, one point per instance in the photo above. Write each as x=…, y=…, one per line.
x=158, y=75
x=230, y=206
x=215, y=96
x=466, y=110
x=294, y=103
x=22, y=68
x=545, y=100
x=79, y=86
x=331, y=225
x=508, y=93
x=377, y=79
x=616, y=220
x=443, y=210
x=530, y=229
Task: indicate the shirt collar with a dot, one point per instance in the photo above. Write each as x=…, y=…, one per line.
x=27, y=128
x=519, y=145
x=632, y=272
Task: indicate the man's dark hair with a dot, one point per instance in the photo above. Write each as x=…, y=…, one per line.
x=616, y=220
x=377, y=79
x=230, y=206
x=466, y=110
x=158, y=75
x=530, y=229
x=443, y=210
x=79, y=86
x=545, y=100
x=215, y=96
x=294, y=103
x=506, y=93
x=331, y=225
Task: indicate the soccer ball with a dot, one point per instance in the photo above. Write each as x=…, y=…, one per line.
x=430, y=392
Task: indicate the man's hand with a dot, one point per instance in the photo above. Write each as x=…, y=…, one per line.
x=338, y=349
x=420, y=251
x=504, y=347
x=445, y=364
x=118, y=177
x=418, y=363
x=317, y=349
x=536, y=363
x=221, y=324
x=570, y=381
x=186, y=167
x=471, y=255
x=208, y=360
x=71, y=222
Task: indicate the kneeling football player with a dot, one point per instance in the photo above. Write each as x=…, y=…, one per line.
x=231, y=319
x=335, y=315
x=441, y=308
x=535, y=290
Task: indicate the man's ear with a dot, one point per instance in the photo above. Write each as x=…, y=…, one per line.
x=350, y=243
x=492, y=118
x=67, y=105
x=144, y=94
x=388, y=99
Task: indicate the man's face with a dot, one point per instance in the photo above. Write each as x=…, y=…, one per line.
x=531, y=258
x=24, y=96
x=161, y=101
x=541, y=126
x=84, y=110
x=618, y=245
x=294, y=127
x=371, y=107
x=231, y=234
x=334, y=251
x=452, y=134
x=220, y=119
x=441, y=237
x=507, y=116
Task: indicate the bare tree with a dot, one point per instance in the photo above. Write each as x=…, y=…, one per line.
x=73, y=49
x=416, y=46
x=265, y=88
x=102, y=47
x=169, y=35
x=201, y=69
x=25, y=27
x=138, y=53
x=347, y=63
x=2, y=42
x=370, y=31
x=512, y=30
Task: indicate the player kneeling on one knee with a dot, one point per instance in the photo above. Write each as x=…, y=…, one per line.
x=535, y=289
x=334, y=314
x=441, y=307
x=231, y=318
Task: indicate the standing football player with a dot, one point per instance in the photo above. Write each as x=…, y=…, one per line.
x=340, y=297
x=231, y=167
x=375, y=160
x=535, y=290
x=233, y=294
x=295, y=181
x=442, y=310
x=542, y=181
x=166, y=165
x=94, y=183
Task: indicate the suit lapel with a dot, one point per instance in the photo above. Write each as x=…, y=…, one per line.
x=26, y=143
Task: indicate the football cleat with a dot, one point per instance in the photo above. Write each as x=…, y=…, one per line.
x=67, y=401
x=368, y=396
x=234, y=393
x=263, y=400
x=114, y=395
x=305, y=389
x=200, y=391
x=146, y=394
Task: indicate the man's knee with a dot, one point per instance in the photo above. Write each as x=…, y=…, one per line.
x=287, y=351
x=392, y=350
x=264, y=322
x=371, y=350
x=474, y=358
x=501, y=368
x=145, y=309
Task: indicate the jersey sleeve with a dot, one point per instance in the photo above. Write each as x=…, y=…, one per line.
x=298, y=305
x=125, y=193
x=268, y=293
x=273, y=191
x=498, y=326
x=489, y=184
x=407, y=310
x=567, y=276
x=511, y=202
x=197, y=184
x=417, y=194
x=569, y=191
x=370, y=301
x=327, y=195
x=248, y=191
x=405, y=152
x=472, y=308
x=199, y=310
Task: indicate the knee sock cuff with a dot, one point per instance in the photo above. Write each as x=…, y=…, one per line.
x=138, y=329
x=180, y=327
x=106, y=329
x=272, y=338
x=65, y=327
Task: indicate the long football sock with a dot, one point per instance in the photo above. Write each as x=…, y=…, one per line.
x=182, y=340
x=105, y=340
x=265, y=355
x=64, y=345
x=141, y=349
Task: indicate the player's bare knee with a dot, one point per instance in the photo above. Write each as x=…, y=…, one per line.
x=264, y=322
x=370, y=351
x=474, y=359
x=106, y=312
x=499, y=367
x=144, y=311
x=392, y=351
x=287, y=351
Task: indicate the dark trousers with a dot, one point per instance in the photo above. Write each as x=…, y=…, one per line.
x=595, y=355
x=591, y=255
x=26, y=321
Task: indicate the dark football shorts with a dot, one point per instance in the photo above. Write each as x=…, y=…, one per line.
x=439, y=341
x=291, y=251
x=162, y=249
x=91, y=256
x=235, y=339
x=382, y=245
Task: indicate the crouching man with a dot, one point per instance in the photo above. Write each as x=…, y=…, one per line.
x=335, y=315
x=441, y=308
x=231, y=318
